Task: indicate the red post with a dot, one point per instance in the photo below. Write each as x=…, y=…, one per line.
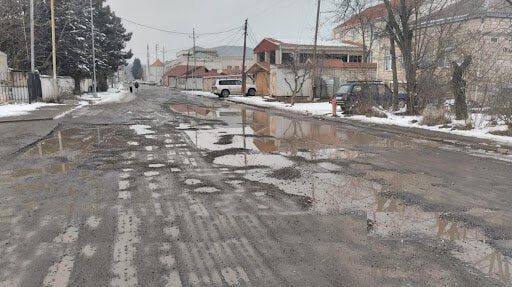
x=334, y=106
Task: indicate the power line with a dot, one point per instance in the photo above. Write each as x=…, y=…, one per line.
x=176, y=32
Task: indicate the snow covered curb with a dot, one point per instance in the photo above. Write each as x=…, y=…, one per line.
x=323, y=110
x=12, y=110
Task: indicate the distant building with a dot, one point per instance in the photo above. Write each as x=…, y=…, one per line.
x=222, y=58
x=337, y=62
x=155, y=72
x=480, y=28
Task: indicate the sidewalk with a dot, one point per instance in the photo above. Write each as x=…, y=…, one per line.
x=26, y=113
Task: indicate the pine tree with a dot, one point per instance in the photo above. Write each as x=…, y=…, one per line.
x=137, y=70
x=73, y=31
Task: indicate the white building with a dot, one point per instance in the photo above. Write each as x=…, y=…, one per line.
x=222, y=58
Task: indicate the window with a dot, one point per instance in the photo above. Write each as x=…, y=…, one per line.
x=287, y=58
x=261, y=57
x=273, y=57
x=304, y=57
x=355, y=59
x=445, y=59
x=229, y=67
x=237, y=67
x=494, y=40
x=388, y=60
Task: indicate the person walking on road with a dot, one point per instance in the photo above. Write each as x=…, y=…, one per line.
x=136, y=86
x=131, y=88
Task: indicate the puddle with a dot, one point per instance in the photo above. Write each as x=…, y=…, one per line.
x=206, y=190
x=192, y=181
x=247, y=160
x=142, y=129
x=151, y=173
x=157, y=165
x=329, y=193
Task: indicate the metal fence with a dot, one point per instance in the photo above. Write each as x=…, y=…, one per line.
x=20, y=87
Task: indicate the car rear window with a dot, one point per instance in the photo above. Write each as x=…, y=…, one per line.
x=345, y=89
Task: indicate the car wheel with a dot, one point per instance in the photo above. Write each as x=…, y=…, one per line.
x=251, y=92
x=224, y=93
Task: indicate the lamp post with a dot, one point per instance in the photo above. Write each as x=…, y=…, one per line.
x=93, y=53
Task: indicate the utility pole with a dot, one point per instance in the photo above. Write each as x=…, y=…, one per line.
x=54, y=48
x=244, y=75
x=163, y=60
x=147, y=72
x=195, y=63
x=94, y=84
x=186, y=75
x=32, y=52
x=315, y=64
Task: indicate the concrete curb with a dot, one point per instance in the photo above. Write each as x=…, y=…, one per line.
x=44, y=115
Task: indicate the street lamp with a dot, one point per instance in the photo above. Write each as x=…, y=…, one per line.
x=93, y=54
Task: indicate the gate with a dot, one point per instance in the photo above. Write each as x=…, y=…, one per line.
x=20, y=87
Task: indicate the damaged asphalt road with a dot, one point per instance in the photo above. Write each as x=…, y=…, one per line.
x=175, y=190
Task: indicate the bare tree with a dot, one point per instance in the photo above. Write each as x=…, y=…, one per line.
x=299, y=74
x=459, y=88
x=364, y=24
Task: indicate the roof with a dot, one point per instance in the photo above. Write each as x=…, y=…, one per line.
x=270, y=44
x=231, y=72
x=469, y=9
x=259, y=66
x=176, y=71
x=369, y=14
x=157, y=63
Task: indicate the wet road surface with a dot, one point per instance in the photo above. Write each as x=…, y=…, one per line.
x=174, y=190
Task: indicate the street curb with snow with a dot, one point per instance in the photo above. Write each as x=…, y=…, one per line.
x=395, y=123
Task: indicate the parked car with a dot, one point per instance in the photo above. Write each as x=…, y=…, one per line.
x=226, y=87
x=351, y=94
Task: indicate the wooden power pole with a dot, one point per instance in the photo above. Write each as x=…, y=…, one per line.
x=54, y=48
x=148, y=68
x=244, y=75
x=315, y=64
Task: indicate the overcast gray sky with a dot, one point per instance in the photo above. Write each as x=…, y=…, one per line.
x=282, y=19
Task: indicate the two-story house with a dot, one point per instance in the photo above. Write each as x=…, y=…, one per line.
x=454, y=29
x=336, y=60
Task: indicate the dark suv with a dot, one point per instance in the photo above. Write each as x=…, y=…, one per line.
x=350, y=95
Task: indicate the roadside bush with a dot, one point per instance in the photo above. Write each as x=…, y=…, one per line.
x=501, y=106
x=434, y=116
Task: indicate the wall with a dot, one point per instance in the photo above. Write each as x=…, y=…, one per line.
x=279, y=87
x=85, y=85
x=191, y=84
x=3, y=62
x=65, y=87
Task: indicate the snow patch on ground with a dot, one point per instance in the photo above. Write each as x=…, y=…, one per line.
x=11, y=110
x=317, y=109
x=109, y=97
